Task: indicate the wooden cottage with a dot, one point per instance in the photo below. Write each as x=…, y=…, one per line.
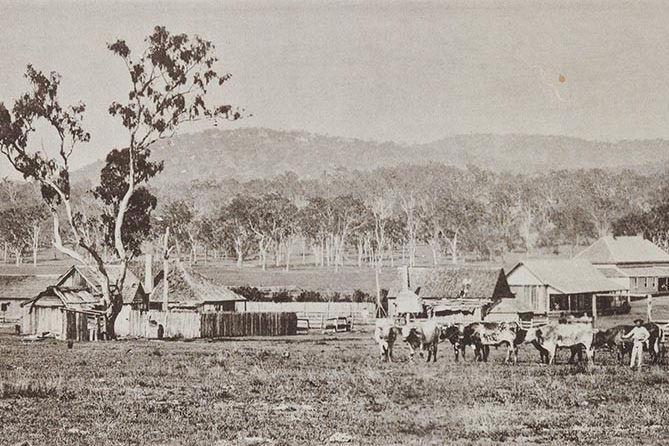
x=17, y=289
x=559, y=286
x=189, y=294
x=633, y=262
x=72, y=308
x=458, y=293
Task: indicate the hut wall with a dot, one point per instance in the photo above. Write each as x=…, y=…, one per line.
x=215, y=325
x=47, y=319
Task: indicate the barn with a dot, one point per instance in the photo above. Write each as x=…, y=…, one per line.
x=562, y=286
x=17, y=289
x=633, y=262
x=456, y=293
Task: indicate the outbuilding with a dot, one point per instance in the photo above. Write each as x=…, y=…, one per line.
x=458, y=293
x=632, y=261
x=562, y=286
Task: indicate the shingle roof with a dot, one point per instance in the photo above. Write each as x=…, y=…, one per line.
x=191, y=288
x=459, y=305
x=633, y=249
x=447, y=283
x=96, y=279
x=569, y=276
x=24, y=287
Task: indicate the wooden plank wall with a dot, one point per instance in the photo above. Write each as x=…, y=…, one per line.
x=215, y=325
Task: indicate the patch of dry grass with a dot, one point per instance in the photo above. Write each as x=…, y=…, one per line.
x=251, y=392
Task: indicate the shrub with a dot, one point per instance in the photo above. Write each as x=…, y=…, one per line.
x=251, y=293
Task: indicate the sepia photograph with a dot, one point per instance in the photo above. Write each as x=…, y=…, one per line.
x=334, y=222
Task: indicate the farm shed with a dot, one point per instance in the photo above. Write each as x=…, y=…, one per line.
x=457, y=293
x=67, y=313
x=17, y=289
x=189, y=294
x=634, y=262
x=77, y=294
x=556, y=286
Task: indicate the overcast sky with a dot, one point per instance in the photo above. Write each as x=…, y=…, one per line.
x=403, y=71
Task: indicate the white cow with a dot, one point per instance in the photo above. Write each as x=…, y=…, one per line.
x=550, y=337
x=422, y=336
x=385, y=334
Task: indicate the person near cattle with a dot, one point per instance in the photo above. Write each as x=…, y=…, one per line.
x=639, y=336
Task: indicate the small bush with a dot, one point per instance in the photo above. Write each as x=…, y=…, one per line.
x=30, y=388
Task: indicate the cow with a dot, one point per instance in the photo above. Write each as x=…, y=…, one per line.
x=385, y=334
x=550, y=337
x=421, y=336
x=484, y=334
x=575, y=350
x=613, y=339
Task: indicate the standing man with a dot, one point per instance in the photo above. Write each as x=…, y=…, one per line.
x=639, y=335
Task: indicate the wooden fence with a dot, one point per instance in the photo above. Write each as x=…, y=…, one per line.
x=216, y=325
x=318, y=313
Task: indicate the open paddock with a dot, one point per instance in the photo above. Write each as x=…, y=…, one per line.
x=307, y=389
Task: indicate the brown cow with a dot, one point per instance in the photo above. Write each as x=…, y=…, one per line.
x=613, y=339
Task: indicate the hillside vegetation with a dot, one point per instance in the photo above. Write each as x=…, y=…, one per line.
x=261, y=153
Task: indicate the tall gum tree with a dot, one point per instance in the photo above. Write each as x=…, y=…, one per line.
x=169, y=81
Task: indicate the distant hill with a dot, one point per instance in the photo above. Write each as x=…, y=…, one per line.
x=260, y=153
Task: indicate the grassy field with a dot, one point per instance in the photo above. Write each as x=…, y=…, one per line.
x=314, y=390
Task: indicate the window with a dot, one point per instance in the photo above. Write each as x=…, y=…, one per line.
x=4, y=307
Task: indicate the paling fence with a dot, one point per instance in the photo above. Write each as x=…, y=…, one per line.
x=318, y=313
x=215, y=325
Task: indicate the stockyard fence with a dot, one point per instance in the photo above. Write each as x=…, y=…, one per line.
x=318, y=314
x=220, y=325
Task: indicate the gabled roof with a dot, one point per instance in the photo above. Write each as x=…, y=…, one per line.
x=95, y=279
x=191, y=289
x=24, y=287
x=448, y=283
x=569, y=276
x=512, y=305
x=633, y=249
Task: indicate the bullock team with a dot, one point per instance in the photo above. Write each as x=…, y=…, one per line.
x=425, y=335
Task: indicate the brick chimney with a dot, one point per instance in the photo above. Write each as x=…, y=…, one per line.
x=148, y=273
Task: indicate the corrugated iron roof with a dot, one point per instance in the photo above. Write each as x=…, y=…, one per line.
x=612, y=272
x=512, y=305
x=569, y=276
x=647, y=271
x=191, y=288
x=633, y=249
x=449, y=283
x=24, y=287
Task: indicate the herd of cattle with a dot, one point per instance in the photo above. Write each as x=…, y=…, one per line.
x=425, y=336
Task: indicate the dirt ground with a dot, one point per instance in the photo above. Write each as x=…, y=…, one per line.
x=315, y=389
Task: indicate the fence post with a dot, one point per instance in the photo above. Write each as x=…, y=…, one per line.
x=649, y=308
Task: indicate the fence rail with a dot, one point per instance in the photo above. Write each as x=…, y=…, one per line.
x=216, y=325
